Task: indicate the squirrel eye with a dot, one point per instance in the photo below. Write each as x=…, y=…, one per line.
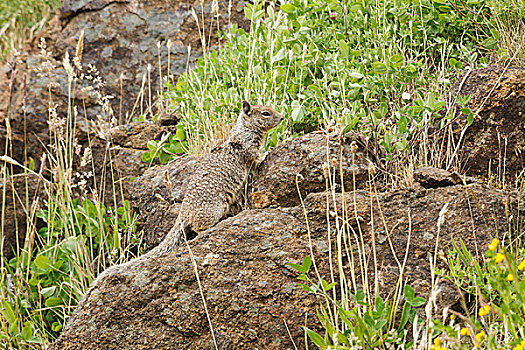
x=266, y=113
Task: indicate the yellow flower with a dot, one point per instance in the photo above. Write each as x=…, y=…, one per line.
x=452, y=317
x=521, y=266
x=522, y=343
x=499, y=258
x=480, y=336
x=494, y=244
x=485, y=310
x=437, y=345
x=510, y=277
x=464, y=331
x=518, y=347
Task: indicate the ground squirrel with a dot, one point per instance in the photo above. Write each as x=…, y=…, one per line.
x=216, y=184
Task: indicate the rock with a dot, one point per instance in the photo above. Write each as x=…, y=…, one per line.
x=494, y=145
x=136, y=134
x=430, y=177
x=72, y=7
x=303, y=160
x=250, y=290
x=160, y=307
x=408, y=218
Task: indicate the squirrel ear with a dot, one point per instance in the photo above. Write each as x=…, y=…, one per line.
x=246, y=107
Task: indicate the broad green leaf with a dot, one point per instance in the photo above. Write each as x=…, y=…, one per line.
x=42, y=262
x=315, y=338
x=297, y=267
x=490, y=43
x=343, y=47
x=305, y=287
x=402, y=124
x=8, y=312
x=288, y=8
x=380, y=324
x=70, y=244
x=307, y=263
x=369, y=320
x=164, y=157
x=13, y=328
x=58, y=264
x=180, y=134
x=352, y=124
x=396, y=59
x=53, y=302
x=27, y=331
x=404, y=317
x=297, y=111
x=258, y=14
x=56, y=326
x=179, y=148
x=356, y=76
x=470, y=119
x=409, y=293
x=380, y=305
x=360, y=297
x=279, y=56
x=418, y=302
x=379, y=67
x=247, y=13
x=146, y=157
x=49, y=291
x=152, y=145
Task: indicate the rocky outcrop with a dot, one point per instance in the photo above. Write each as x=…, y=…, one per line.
x=251, y=294
x=495, y=142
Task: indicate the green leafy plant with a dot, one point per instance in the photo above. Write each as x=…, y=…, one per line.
x=167, y=147
x=319, y=61
x=497, y=286
x=53, y=273
x=365, y=325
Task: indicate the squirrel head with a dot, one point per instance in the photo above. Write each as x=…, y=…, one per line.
x=259, y=118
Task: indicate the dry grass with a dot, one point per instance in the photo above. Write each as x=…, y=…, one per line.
x=20, y=20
